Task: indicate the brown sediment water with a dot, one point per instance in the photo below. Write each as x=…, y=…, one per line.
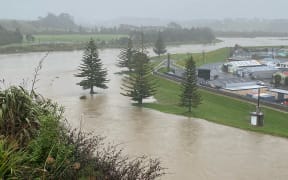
x=190, y=148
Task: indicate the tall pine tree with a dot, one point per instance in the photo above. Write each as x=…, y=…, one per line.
x=190, y=96
x=126, y=56
x=139, y=84
x=91, y=69
x=159, y=47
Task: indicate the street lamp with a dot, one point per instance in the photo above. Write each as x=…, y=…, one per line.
x=257, y=117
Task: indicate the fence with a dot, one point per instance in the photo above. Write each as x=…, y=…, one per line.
x=225, y=93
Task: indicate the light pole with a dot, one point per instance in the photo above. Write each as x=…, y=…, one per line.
x=257, y=117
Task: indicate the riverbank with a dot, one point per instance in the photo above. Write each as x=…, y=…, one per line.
x=216, y=108
x=71, y=42
x=219, y=109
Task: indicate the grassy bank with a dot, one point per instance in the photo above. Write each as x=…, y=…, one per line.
x=219, y=109
x=61, y=42
x=216, y=108
x=218, y=55
x=70, y=42
x=76, y=38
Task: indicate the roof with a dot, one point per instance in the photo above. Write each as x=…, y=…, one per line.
x=237, y=88
x=284, y=62
x=285, y=73
x=259, y=68
x=279, y=91
x=244, y=63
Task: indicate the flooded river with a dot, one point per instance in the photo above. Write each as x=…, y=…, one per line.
x=190, y=148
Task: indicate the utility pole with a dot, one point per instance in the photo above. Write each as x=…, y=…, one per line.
x=204, y=56
x=168, y=62
x=257, y=117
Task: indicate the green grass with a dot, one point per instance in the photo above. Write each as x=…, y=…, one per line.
x=219, y=109
x=218, y=55
x=76, y=38
x=58, y=42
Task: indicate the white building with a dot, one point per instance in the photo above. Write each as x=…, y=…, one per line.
x=283, y=65
x=233, y=66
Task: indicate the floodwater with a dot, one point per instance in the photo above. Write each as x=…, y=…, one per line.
x=190, y=148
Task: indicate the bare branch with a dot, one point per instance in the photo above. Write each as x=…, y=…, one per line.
x=36, y=72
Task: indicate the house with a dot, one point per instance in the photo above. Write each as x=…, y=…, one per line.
x=283, y=65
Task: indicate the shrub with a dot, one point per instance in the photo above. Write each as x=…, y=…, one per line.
x=286, y=80
x=18, y=115
x=46, y=147
x=11, y=159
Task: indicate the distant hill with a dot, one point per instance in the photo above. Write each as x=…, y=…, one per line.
x=224, y=25
x=10, y=37
x=51, y=23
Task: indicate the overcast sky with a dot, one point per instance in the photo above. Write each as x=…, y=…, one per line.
x=163, y=9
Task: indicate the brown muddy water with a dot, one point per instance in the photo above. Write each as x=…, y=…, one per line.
x=190, y=148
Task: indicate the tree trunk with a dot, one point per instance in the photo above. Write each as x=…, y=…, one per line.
x=140, y=101
x=91, y=90
x=190, y=105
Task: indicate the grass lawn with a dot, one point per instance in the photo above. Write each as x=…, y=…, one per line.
x=76, y=38
x=218, y=55
x=219, y=109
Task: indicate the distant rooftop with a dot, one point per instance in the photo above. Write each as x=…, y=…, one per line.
x=259, y=68
x=245, y=63
x=279, y=91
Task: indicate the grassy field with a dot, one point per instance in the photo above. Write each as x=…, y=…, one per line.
x=211, y=57
x=59, y=42
x=216, y=108
x=76, y=38
x=219, y=109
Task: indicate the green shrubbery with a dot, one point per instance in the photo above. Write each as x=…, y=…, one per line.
x=37, y=143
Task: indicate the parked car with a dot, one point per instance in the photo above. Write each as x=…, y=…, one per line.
x=260, y=83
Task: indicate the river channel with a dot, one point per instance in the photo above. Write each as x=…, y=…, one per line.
x=190, y=148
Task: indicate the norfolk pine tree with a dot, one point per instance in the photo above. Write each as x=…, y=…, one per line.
x=159, y=47
x=190, y=96
x=91, y=69
x=126, y=55
x=139, y=84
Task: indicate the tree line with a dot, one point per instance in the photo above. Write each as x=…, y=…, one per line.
x=138, y=82
x=197, y=35
x=9, y=37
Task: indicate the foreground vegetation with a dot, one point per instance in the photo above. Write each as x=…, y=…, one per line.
x=37, y=143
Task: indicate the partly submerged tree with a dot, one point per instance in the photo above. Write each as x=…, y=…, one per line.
x=159, y=47
x=91, y=69
x=139, y=84
x=190, y=96
x=126, y=56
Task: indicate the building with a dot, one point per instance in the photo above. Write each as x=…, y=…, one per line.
x=233, y=66
x=259, y=72
x=283, y=65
